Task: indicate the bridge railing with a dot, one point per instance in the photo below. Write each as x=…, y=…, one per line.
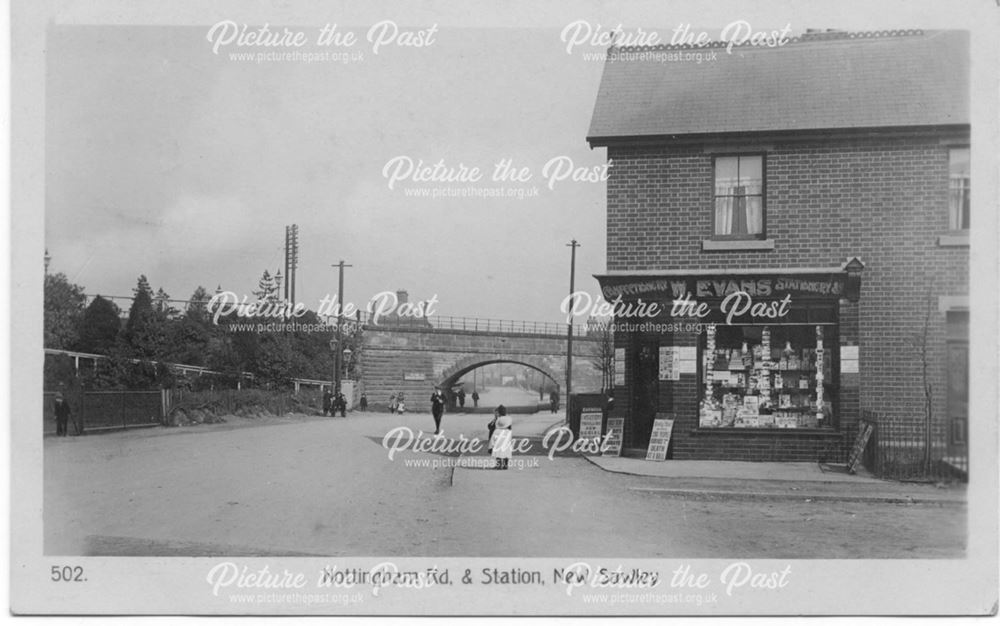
x=480, y=325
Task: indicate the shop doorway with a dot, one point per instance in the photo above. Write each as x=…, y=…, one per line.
x=645, y=393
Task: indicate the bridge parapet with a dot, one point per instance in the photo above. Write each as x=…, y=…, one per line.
x=488, y=326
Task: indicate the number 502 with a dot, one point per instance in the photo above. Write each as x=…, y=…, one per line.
x=67, y=574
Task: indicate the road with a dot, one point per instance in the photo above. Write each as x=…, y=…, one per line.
x=322, y=486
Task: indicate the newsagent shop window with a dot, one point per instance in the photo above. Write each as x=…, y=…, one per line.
x=739, y=197
x=959, y=174
x=776, y=376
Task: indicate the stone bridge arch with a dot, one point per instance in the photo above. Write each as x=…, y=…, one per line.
x=453, y=374
x=414, y=360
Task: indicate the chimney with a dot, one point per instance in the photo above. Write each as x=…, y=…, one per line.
x=402, y=296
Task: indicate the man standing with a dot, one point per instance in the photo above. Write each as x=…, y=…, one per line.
x=475, y=399
x=341, y=404
x=461, y=398
x=437, y=409
x=62, y=414
x=328, y=403
x=363, y=402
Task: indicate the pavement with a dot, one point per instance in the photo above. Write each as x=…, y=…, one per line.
x=741, y=480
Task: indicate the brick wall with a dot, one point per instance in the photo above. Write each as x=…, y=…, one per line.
x=884, y=200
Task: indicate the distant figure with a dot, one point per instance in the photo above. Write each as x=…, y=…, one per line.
x=461, y=398
x=475, y=399
x=341, y=404
x=392, y=403
x=328, y=402
x=554, y=401
x=437, y=409
x=363, y=402
x=62, y=412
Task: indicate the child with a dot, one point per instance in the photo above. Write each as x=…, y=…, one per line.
x=492, y=426
x=502, y=441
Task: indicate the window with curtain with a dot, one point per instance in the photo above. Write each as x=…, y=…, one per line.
x=739, y=196
x=958, y=188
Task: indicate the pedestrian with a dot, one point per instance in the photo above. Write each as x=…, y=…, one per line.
x=327, y=402
x=392, y=403
x=554, y=401
x=62, y=411
x=341, y=404
x=461, y=398
x=437, y=409
x=363, y=402
x=492, y=426
x=501, y=441
x=475, y=399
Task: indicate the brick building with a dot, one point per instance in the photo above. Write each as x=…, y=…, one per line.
x=800, y=214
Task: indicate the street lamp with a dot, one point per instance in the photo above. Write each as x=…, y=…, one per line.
x=336, y=364
x=347, y=360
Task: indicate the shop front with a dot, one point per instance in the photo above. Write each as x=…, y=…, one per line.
x=751, y=365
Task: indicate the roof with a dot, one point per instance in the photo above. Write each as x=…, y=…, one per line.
x=827, y=81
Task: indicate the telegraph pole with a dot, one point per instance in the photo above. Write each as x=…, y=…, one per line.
x=340, y=324
x=569, y=326
x=291, y=260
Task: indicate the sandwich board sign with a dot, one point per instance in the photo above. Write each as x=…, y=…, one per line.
x=659, y=439
x=590, y=422
x=613, y=442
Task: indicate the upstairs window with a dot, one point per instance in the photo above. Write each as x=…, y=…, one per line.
x=958, y=188
x=739, y=197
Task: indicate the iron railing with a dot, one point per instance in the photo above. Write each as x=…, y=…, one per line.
x=904, y=449
x=103, y=410
x=476, y=324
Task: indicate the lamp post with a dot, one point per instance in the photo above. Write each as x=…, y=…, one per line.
x=334, y=381
x=340, y=324
x=347, y=360
x=569, y=327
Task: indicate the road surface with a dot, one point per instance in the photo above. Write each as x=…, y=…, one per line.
x=322, y=486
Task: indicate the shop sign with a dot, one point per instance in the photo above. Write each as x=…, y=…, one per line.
x=613, y=440
x=659, y=439
x=718, y=287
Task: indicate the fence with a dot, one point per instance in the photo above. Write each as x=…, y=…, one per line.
x=901, y=450
x=101, y=410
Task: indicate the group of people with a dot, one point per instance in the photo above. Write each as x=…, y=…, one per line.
x=334, y=403
x=397, y=403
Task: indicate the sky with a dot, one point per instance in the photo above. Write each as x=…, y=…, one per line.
x=167, y=159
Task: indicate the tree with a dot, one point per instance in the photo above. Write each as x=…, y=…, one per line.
x=602, y=355
x=197, y=307
x=144, y=329
x=267, y=288
x=99, y=327
x=63, y=307
x=161, y=304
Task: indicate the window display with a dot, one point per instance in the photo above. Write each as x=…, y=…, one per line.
x=767, y=376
